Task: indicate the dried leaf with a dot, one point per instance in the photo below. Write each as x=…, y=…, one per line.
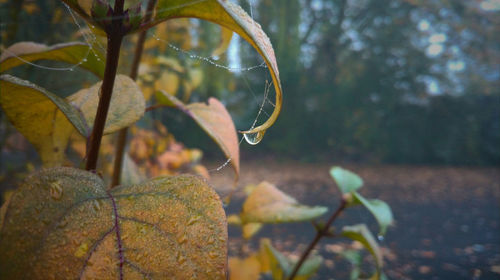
x=234, y=18
x=267, y=204
x=127, y=104
x=246, y=269
x=74, y=53
x=62, y=223
x=214, y=119
x=46, y=120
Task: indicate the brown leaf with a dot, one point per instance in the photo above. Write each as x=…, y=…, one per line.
x=214, y=119
x=62, y=223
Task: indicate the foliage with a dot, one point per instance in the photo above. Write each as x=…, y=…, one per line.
x=79, y=227
x=266, y=204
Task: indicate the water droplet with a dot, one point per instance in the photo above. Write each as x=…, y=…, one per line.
x=213, y=254
x=193, y=219
x=180, y=258
x=84, y=60
x=380, y=238
x=182, y=238
x=70, y=69
x=55, y=190
x=254, y=138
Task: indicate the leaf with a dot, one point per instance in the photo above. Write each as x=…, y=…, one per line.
x=74, y=53
x=225, y=39
x=380, y=210
x=45, y=119
x=127, y=104
x=234, y=18
x=244, y=269
x=131, y=173
x=346, y=180
x=267, y=204
x=281, y=266
x=62, y=223
x=169, y=82
x=250, y=229
x=362, y=234
x=214, y=119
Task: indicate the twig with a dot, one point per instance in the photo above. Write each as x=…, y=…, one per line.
x=319, y=234
x=122, y=135
x=115, y=37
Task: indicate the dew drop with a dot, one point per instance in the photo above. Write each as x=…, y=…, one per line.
x=254, y=138
x=213, y=254
x=84, y=60
x=55, y=190
x=380, y=238
x=193, y=219
x=70, y=69
x=180, y=258
x=182, y=238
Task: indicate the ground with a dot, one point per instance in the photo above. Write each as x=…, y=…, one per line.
x=447, y=219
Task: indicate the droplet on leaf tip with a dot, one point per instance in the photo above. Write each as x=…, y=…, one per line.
x=254, y=138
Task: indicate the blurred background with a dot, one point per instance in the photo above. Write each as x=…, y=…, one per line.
x=404, y=92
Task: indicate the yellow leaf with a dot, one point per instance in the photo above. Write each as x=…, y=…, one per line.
x=127, y=104
x=74, y=53
x=246, y=269
x=251, y=229
x=234, y=18
x=46, y=120
x=267, y=204
x=63, y=223
x=169, y=82
x=225, y=39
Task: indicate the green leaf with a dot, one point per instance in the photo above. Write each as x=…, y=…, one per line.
x=46, y=120
x=127, y=104
x=281, y=266
x=244, y=269
x=267, y=204
x=74, y=53
x=63, y=223
x=214, y=119
x=362, y=234
x=380, y=210
x=234, y=18
x=346, y=180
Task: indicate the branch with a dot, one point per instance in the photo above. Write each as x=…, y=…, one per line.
x=319, y=234
x=134, y=70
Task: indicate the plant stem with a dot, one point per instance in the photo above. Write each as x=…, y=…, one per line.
x=134, y=70
x=319, y=234
x=115, y=37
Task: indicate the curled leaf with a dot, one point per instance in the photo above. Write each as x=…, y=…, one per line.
x=62, y=223
x=74, y=53
x=214, y=119
x=380, y=210
x=127, y=104
x=234, y=18
x=362, y=234
x=267, y=204
x=46, y=120
x=346, y=180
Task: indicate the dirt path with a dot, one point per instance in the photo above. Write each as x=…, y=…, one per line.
x=447, y=218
